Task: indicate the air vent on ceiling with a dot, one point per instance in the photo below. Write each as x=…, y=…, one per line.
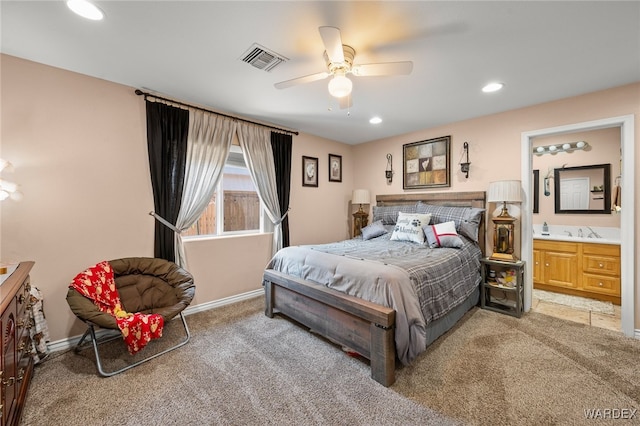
x=262, y=58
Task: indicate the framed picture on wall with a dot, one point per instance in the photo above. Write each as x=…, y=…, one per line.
x=426, y=164
x=309, y=171
x=335, y=168
x=536, y=191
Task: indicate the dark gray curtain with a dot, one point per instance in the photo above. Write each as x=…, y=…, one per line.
x=167, y=129
x=281, y=145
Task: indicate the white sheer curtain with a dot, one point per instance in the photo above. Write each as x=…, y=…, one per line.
x=255, y=142
x=208, y=144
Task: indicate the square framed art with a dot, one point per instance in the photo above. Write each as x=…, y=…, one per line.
x=335, y=168
x=427, y=164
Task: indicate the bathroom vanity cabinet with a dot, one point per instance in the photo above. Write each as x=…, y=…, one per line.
x=580, y=269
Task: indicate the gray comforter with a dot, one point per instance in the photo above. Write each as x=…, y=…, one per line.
x=421, y=284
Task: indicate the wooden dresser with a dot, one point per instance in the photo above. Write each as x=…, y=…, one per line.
x=16, y=363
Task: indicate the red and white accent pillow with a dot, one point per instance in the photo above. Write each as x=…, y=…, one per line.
x=442, y=235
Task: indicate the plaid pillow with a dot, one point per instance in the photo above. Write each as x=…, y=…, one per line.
x=467, y=219
x=389, y=214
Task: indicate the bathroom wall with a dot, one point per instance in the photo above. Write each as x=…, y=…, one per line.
x=604, y=148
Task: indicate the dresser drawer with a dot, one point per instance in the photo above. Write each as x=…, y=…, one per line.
x=601, y=284
x=601, y=265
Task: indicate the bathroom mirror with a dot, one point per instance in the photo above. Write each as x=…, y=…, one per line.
x=583, y=189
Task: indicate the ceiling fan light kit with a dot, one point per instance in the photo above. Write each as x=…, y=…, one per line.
x=340, y=86
x=340, y=62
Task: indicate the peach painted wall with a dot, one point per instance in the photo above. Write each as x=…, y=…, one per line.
x=320, y=215
x=495, y=146
x=79, y=149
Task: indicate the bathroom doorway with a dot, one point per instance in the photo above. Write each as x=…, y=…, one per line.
x=625, y=125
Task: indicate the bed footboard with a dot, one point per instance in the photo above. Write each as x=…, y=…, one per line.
x=365, y=327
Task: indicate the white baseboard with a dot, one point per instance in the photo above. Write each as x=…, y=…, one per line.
x=64, y=344
x=70, y=342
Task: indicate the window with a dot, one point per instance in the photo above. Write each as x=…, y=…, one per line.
x=235, y=206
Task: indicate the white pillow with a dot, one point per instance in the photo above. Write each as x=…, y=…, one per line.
x=443, y=235
x=409, y=227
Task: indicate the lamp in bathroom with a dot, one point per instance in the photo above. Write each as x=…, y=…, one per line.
x=360, y=218
x=505, y=191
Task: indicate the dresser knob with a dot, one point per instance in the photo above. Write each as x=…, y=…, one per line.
x=601, y=265
x=600, y=284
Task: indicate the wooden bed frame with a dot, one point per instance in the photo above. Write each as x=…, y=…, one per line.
x=365, y=327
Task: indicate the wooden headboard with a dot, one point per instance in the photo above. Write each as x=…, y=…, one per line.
x=458, y=199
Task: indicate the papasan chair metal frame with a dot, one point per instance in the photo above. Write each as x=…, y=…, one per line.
x=145, y=285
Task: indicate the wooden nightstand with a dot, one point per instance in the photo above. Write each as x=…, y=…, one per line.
x=504, y=297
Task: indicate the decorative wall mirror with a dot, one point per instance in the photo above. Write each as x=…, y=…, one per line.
x=583, y=189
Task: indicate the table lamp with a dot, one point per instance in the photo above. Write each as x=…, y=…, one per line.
x=505, y=191
x=360, y=218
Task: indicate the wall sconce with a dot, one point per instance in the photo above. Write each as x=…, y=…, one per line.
x=388, y=173
x=464, y=167
x=565, y=147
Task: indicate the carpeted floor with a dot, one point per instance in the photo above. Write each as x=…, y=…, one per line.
x=242, y=368
x=493, y=369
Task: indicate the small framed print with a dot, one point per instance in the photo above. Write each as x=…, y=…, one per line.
x=309, y=171
x=335, y=168
x=426, y=164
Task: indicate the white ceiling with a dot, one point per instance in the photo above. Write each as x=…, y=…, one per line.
x=191, y=51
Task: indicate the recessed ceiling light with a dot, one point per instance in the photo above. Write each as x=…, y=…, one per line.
x=375, y=120
x=85, y=9
x=492, y=87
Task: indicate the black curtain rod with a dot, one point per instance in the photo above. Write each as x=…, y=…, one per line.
x=146, y=95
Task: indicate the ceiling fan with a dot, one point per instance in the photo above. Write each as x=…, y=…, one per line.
x=339, y=58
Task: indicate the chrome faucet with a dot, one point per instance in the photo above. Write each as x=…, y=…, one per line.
x=568, y=233
x=580, y=233
x=593, y=234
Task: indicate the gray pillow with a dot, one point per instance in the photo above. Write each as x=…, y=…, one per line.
x=373, y=230
x=467, y=219
x=389, y=214
x=442, y=235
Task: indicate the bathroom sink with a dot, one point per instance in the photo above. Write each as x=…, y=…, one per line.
x=579, y=234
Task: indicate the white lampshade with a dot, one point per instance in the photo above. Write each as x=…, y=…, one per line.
x=507, y=191
x=340, y=86
x=360, y=196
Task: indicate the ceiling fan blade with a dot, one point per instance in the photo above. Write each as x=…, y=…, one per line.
x=345, y=102
x=332, y=43
x=301, y=80
x=384, y=68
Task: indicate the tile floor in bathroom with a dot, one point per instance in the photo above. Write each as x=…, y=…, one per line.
x=595, y=319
